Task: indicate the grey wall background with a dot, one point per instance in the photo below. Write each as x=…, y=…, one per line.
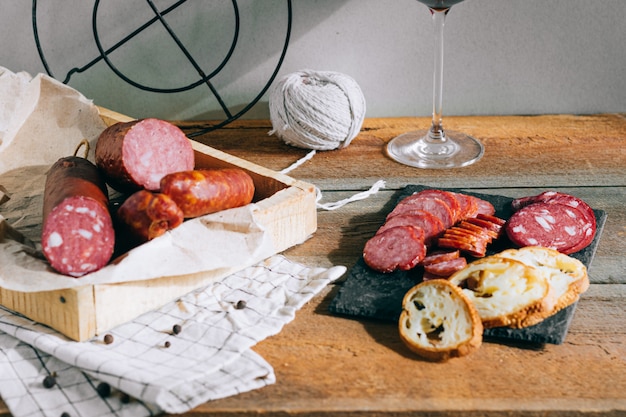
x=502, y=56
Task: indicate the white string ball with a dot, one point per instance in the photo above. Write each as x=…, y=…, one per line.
x=320, y=110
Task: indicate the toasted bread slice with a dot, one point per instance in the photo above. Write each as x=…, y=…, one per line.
x=567, y=276
x=438, y=322
x=506, y=292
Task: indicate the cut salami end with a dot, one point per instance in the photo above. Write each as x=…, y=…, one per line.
x=137, y=154
x=400, y=247
x=78, y=236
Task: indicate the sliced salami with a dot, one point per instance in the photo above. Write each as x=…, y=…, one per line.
x=445, y=269
x=468, y=205
x=397, y=248
x=447, y=197
x=136, y=155
x=557, y=226
x=435, y=206
x=431, y=225
x=440, y=256
x=77, y=235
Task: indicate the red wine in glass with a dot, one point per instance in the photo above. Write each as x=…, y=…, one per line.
x=436, y=148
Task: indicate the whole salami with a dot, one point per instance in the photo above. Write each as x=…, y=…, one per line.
x=205, y=191
x=77, y=235
x=148, y=215
x=136, y=155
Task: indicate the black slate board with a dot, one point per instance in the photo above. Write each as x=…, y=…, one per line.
x=369, y=294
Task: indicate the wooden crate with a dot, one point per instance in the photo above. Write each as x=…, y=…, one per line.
x=286, y=208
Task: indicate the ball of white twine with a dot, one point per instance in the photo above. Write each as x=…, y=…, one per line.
x=321, y=110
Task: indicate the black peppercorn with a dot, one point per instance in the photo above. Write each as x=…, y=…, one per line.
x=177, y=329
x=104, y=389
x=167, y=344
x=108, y=339
x=49, y=381
x=241, y=304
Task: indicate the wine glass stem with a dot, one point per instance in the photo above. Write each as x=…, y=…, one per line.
x=436, y=133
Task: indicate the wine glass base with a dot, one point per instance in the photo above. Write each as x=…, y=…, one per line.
x=414, y=149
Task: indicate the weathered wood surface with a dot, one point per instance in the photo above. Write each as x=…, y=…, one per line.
x=335, y=366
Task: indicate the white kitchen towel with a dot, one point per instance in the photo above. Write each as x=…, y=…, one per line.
x=160, y=369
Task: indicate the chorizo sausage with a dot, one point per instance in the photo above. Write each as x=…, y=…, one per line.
x=205, y=191
x=136, y=155
x=147, y=215
x=77, y=234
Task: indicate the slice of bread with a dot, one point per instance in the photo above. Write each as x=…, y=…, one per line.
x=506, y=292
x=567, y=276
x=438, y=322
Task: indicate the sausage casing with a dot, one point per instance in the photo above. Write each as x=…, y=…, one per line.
x=77, y=234
x=205, y=191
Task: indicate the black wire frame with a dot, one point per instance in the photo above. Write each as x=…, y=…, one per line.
x=204, y=78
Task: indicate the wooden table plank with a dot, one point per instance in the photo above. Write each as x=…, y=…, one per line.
x=527, y=151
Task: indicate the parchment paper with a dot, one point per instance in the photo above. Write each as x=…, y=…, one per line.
x=42, y=120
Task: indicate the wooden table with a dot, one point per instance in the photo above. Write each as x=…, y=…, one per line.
x=335, y=366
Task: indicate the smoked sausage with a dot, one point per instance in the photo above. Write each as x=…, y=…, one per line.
x=147, y=215
x=205, y=191
x=136, y=155
x=77, y=235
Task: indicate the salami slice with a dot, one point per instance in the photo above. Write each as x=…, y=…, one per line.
x=431, y=225
x=446, y=268
x=401, y=247
x=468, y=205
x=435, y=206
x=495, y=228
x=556, y=226
x=77, y=235
x=440, y=256
x=447, y=197
x=136, y=155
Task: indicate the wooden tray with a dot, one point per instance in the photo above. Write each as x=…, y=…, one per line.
x=286, y=208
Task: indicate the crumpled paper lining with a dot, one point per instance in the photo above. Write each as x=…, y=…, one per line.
x=46, y=122
x=209, y=359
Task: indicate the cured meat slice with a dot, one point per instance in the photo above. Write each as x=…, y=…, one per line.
x=557, y=197
x=440, y=256
x=401, y=247
x=468, y=205
x=445, y=269
x=431, y=225
x=477, y=248
x=485, y=207
x=137, y=154
x=77, y=234
x=555, y=226
x=487, y=225
x=491, y=218
x=447, y=197
x=479, y=230
x=435, y=206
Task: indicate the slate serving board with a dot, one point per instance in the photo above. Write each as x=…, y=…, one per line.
x=369, y=294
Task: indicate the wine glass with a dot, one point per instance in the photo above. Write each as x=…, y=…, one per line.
x=436, y=148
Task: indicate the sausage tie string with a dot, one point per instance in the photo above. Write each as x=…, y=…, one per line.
x=338, y=204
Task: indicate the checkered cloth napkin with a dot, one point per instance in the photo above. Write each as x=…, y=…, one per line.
x=190, y=351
